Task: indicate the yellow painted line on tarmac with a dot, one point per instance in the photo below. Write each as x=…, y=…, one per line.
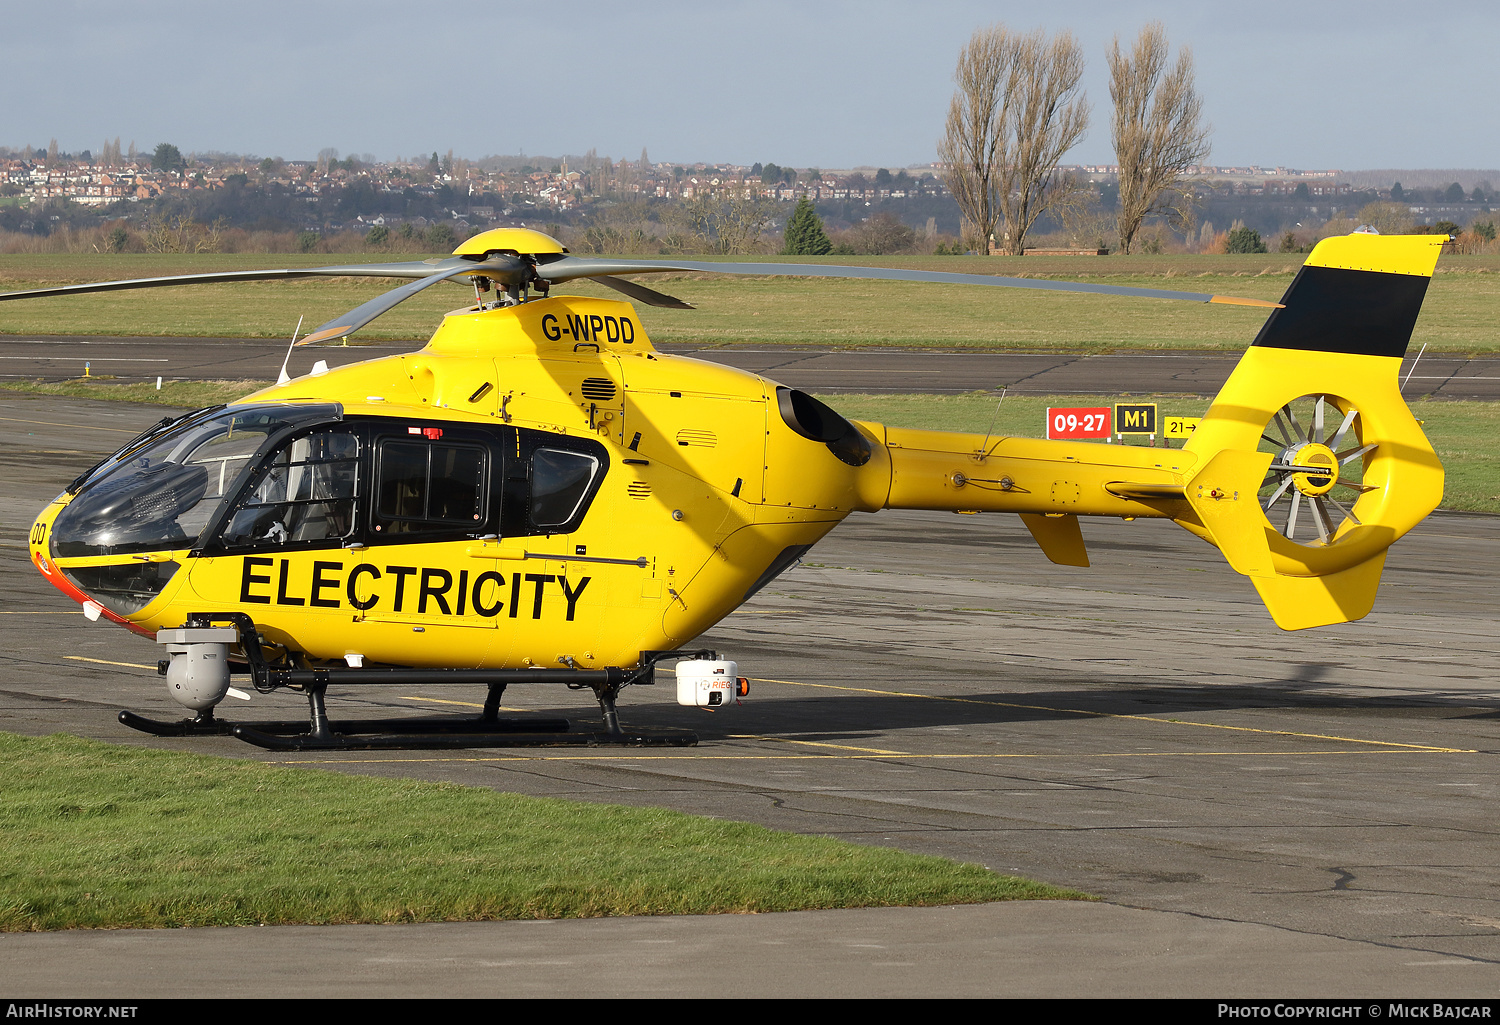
x=441, y=701
x=814, y=743
x=128, y=665
x=1012, y=756
x=1369, y=747
x=1116, y=715
x=81, y=427
x=465, y=704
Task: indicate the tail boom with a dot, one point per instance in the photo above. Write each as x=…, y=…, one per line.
x=1336, y=344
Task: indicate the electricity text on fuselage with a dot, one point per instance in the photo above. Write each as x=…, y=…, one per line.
x=488, y=593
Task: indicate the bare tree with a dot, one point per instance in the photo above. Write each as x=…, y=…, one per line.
x=732, y=225
x=880, y=235
x=1158, y=131
x=977, y=126
x=1015, y=112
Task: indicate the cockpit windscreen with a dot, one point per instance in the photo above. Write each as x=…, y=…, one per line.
x=167, y=493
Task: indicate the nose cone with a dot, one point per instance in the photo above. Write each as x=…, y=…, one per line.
x=114, y=589
x=39, y=543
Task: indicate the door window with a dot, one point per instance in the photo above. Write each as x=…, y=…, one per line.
x=430, y=486
x=305, y=492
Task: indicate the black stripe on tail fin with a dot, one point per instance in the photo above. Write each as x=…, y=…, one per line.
x=1359, y=312
x=1358, y=294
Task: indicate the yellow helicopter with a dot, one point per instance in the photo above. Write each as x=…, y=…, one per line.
x=539, y=495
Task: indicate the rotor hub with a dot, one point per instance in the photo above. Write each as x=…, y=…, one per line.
x=1316, y=480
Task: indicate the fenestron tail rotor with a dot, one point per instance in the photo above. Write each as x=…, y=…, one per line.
x=1316, y=475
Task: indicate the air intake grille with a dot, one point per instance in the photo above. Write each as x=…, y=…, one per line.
x=599, y=389
x=697, y=439
x=638, y=489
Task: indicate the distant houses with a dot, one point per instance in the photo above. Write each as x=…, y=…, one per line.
x=490, y=192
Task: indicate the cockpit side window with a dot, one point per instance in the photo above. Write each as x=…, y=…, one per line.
x=306, y=492
x=560, y=481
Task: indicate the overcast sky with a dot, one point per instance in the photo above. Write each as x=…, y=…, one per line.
x=1300, y=83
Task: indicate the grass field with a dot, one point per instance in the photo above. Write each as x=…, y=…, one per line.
x=1458, y=316
x=102, y=836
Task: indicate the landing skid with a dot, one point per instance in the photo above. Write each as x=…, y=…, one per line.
x=407, y=734
x=341, y=741
x=488, y=730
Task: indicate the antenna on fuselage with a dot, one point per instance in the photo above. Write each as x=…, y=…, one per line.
x=984, y=449
x=284, y=377
x=1413, y=369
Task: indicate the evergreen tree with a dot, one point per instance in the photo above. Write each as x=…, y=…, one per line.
x=167, y=158
x=1245, y=240
x=804, y=232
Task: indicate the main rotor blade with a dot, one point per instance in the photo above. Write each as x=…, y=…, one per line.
x=640, y=293
x=498, y=267
x=512, y=270
x=567, y=268
x=407, y=269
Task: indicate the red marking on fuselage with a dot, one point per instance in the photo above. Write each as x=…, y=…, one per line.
x=58, y=580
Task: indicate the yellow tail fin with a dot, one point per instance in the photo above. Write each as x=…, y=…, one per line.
x=1311, y=426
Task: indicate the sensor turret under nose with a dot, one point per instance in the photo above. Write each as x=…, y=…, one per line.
x=198, y=667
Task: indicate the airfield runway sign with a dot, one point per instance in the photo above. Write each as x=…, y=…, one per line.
x=1075, y=422
x=1179, y=426
x=1135, y=418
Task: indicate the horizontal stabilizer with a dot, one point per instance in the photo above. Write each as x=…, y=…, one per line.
x=1058, y=536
